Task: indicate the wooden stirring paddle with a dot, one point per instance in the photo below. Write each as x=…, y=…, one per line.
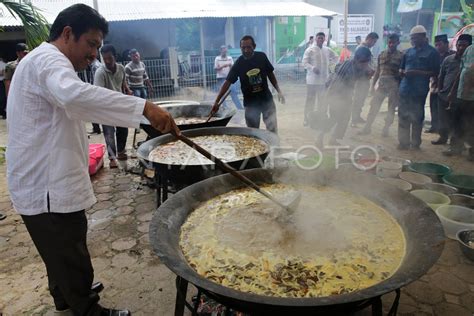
x=211, y=114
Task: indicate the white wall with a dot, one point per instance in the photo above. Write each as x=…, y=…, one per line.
x=370, y=7
x=317, y=24
x=375, y=7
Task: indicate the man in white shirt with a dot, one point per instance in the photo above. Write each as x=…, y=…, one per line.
x=222, y=65
x=316, y=60
x=47, y=156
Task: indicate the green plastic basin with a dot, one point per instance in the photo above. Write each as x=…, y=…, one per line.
x=463, y=182
x=433, y=170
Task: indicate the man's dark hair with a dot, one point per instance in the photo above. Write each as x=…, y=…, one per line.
x=21, y=47
x=372, y=35
x=465, y=37
x=108, y=48
x=320, y=34
x=362, y=53
x=81, y=18
x=248, y=37
x=132, y=51
x=358, y=37
x=394, y=37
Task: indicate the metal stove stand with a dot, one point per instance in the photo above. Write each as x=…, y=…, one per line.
x=181, y=303
x=163, y=186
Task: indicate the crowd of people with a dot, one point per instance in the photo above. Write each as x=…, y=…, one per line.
x=405, y=78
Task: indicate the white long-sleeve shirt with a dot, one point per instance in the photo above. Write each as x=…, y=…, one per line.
x=223, y=61
x=47, y=151
x=318, y=58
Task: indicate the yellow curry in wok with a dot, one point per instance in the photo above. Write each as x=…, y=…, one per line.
x=337, y=242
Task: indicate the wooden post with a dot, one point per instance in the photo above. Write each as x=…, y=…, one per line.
x=346, y=13
x=203, y=58
x=440, y=16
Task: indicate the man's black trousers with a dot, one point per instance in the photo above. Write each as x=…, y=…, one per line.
x=61, y=242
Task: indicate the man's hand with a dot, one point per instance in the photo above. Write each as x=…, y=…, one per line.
x=160, y=119
x=281, y=98
x=129, y=92
x=451, y=97
x=316, y=71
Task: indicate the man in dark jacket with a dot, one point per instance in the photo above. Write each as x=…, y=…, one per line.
x=442, y=46
x=419, y=64
x=448, y=113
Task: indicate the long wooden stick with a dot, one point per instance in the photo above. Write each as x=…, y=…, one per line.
x=220, y=103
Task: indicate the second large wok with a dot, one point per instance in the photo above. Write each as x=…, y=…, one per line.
x=183, y=175
x=191, y=109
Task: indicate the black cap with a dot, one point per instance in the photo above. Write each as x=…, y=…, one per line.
x=465, y=37
x=441, y=38
x=21, y=47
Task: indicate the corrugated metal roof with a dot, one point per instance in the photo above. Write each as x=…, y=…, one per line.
x=49, y=9
x=120, y=10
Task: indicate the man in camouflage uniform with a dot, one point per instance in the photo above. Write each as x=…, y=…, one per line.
x=21, y=51
x=388, y=77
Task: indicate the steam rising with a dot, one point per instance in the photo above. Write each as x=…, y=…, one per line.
x=326, y=221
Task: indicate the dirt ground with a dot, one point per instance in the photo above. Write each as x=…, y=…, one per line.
x=133, y=276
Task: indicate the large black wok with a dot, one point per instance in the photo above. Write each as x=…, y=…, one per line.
x=421, y=227
x=191, y=109
x=183, y=175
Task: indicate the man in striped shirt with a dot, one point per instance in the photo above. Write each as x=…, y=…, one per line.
x=136, y=75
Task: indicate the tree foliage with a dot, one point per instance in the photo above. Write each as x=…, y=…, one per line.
x=468, y=12
x=34, y=24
